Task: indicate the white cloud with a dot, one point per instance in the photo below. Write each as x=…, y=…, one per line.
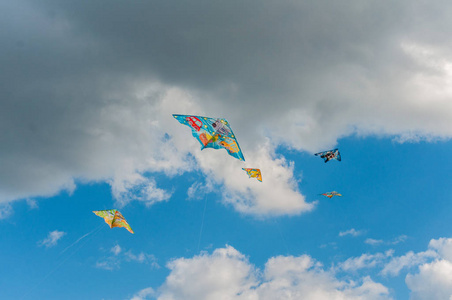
x=443, y=246
x=6, y=210
x=277, y=194
x=352, y=232
x=400, y=239
x=142, y=258
x=434, y=277
x=373, y=242
x=52, y=238
x=136, y=187
x=198, y=190
x=32, y=204
x=116, y=249
x=365, y=261
x=109, y=263
x=227, y=274
x=408, y=260
x=144, y=294
x=303, y=278
x=434, y=281
x=330, y=244
x=222, y=275
x=113, y=262
x=397, y=240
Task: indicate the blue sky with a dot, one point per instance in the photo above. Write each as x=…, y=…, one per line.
x=89, y=89
x=394, y=193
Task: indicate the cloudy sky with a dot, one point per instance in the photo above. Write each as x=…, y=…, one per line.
x=88, y=89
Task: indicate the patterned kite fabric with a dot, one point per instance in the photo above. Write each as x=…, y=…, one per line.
x=329, y=155
x=212, y=133
x=253, y=173
x=113, y=218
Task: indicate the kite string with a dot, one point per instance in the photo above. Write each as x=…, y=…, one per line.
x=93, y=232
x=81, y=238
x=202, y=222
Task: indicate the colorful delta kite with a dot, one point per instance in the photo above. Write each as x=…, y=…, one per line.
x=253, y=173
x=113, y=218
x=331, y=194
x=329, y=155
x=212, y=133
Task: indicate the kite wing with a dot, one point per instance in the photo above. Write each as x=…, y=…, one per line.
x=253, y=173
x=212, y=133
x=113, y=218
x=329, y=155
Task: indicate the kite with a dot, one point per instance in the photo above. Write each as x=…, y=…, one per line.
x=331, y=194
x=329, y=155
x=212, y=133
x=113, y=218
x=253, y=173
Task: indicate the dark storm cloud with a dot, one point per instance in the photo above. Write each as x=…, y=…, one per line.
x=256, y=44
x=265, y=55
x=73, y=73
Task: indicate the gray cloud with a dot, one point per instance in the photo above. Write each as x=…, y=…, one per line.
x=83, y=81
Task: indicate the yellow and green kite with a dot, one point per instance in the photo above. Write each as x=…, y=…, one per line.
x=113, y=218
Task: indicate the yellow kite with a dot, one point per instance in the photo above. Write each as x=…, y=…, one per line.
x=254, y=173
